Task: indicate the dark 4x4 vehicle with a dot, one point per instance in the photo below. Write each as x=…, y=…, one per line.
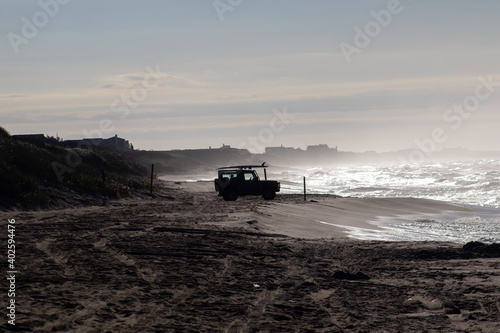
x=241, y=180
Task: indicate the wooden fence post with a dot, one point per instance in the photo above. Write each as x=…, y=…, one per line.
x=305, y=198
x=152, y=172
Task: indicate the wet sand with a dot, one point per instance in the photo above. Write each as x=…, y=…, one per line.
x=186, y=261
x=330, y=217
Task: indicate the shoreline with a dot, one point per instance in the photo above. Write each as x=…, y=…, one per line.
x=323, y=216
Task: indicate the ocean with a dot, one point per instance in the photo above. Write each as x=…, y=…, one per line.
x=474, y=184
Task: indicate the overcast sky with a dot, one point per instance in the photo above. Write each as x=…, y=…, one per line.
x=360, y=75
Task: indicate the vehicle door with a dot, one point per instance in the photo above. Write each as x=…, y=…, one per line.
x=250, y=183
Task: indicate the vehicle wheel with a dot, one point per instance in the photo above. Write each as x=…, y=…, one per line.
x=269, y=195
x=230, y=196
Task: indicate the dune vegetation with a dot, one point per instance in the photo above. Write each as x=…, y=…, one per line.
x=34, y=172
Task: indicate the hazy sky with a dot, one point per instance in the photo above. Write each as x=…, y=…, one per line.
x=360, y=75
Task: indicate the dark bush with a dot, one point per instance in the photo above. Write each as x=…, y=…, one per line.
x=4, y=133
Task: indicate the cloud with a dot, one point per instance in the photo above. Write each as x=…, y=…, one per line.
x=133, y=80
x=13, y=96
x=109, y=86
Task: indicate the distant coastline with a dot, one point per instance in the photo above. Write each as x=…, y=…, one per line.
x=186, y=161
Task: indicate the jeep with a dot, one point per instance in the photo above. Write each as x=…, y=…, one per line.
x=241, y=180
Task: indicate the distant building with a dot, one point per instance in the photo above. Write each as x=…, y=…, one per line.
x=318, y=148
x=113, y=143
x=116, y=143
x=225, y=146
x=93, y=142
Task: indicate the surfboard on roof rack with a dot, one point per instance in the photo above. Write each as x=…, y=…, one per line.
x=263, y=165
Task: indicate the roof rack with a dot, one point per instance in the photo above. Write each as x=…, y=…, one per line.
x=241, y=167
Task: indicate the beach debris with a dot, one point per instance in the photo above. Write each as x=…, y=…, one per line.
x=490, y=251
x=256, y=285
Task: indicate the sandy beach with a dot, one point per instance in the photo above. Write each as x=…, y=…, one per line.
x=186, y=261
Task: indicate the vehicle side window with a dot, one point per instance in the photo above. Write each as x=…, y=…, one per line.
x=228, y=176
x=249, y=176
